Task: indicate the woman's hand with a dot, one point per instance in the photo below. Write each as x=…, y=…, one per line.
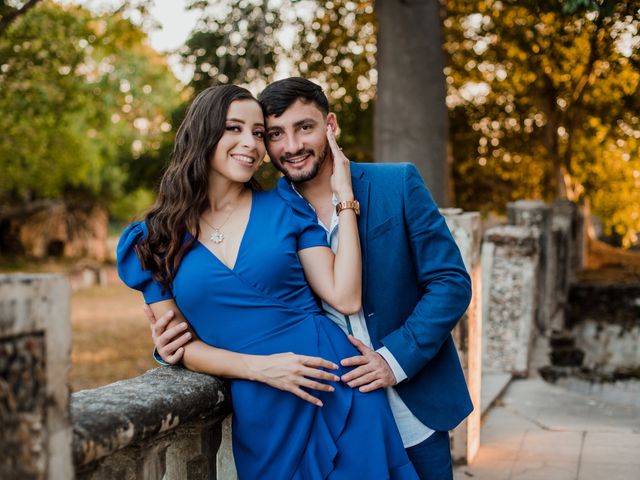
x=337, y=279
x=290, y=372
x=341, y=178
x=169, y=341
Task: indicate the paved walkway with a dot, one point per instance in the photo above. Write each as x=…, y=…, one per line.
x=539, y=431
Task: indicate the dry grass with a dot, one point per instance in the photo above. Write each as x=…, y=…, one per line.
x=602, y=254
x=607, y=264
x=111, y=337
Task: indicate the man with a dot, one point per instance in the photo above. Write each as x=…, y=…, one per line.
x=415, y=286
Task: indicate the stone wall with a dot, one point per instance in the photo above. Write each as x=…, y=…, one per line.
x=601, y=337
x=54, y=228
x=35, y=343
x=560, y=253
x=537, y=215
x=165, y=424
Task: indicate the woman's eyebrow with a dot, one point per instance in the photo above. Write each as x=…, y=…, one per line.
x=258, y=124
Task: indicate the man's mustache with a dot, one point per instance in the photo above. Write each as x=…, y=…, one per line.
x=288, y=156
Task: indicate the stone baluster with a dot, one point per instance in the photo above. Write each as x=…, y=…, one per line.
x=510, y=259
x=537, y=214
x=466, y=230
x=565, y=239
x=35, y=344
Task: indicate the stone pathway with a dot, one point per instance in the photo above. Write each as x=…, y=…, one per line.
x=540, y=431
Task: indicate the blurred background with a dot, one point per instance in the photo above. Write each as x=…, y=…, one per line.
x=541, y=99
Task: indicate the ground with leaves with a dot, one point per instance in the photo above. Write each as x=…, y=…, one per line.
x=111, y=337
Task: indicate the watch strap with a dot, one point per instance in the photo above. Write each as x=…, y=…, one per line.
x=348, y=204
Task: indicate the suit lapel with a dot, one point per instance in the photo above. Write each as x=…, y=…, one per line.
x=361, y=189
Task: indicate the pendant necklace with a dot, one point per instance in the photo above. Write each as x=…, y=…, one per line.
x=217, y=236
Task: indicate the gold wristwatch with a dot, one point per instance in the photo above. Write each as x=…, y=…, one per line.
x=352, y=204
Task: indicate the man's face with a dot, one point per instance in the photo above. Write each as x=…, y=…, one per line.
x=297, y=140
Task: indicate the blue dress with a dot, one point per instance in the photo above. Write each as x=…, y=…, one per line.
x=264, y=306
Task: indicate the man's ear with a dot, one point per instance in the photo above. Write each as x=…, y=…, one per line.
x=332, y=121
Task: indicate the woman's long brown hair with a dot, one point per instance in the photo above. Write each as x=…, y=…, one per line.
x=183, y=193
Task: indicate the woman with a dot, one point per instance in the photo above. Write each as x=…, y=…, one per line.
x=236, y=261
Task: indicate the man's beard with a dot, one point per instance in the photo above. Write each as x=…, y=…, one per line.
x=300, y=177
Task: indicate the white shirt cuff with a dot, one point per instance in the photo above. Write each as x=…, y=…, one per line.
x=397, y=370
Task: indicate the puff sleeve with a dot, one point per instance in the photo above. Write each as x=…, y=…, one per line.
x=310, y=232
x=130, y=269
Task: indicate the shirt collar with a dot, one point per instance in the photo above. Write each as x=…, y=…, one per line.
x=334, y=199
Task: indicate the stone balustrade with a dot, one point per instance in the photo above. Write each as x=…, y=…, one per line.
x=171, y=423
x=528, y=266
x=165, y=424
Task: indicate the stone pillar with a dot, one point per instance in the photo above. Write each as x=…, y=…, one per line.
x=510, y=257
x=564, y=229
x=466, y=230
x=35, y=345
x=534, y=213
x=581, y=238
x=226, y=468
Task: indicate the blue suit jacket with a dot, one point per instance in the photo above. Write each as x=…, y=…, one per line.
x=415, y=289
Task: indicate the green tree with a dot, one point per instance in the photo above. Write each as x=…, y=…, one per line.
x=10, y=11
x=239, y=43
x=41, y=146
x=234, y=42
x=79, y=104
x=337, y=48
x=531, y=85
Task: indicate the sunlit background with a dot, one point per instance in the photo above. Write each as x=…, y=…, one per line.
x=542, y=97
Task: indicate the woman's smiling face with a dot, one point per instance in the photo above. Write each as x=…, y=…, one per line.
x=241, y=148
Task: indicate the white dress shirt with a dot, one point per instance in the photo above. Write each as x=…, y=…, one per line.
x=412, y=430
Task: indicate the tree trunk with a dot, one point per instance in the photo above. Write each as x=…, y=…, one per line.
x=411, y=122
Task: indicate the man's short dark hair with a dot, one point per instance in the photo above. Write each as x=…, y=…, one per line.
x=279, y=96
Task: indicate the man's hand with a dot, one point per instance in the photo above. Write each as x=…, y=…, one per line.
x=169, y=342
x=373, y=371
x=291, y=372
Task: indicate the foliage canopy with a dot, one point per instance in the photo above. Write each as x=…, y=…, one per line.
x=543, y=95
x=78, y=104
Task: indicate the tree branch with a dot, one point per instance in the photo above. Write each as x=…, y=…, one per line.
x=6, y=20
x=588, y=75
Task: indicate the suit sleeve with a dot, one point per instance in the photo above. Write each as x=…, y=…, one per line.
x=443, y=279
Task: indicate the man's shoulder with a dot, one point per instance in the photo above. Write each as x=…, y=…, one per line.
x=382, y=171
